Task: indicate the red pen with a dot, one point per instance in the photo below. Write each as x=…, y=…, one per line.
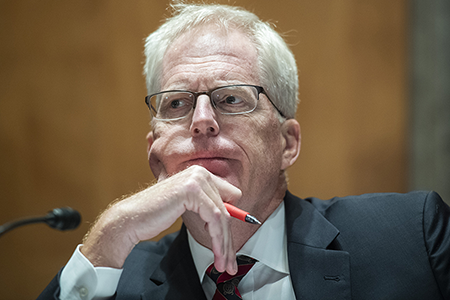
x=240, y=214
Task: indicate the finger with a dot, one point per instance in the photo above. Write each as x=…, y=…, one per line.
x=222, y=246
x=218, y=227
x=231, y=266
x=220, y=261
x=227, y=191
x=224, y=254
x=223, y=249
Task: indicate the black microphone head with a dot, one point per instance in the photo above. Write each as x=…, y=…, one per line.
x=64, y=218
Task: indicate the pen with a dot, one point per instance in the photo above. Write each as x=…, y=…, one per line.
x=240, y=214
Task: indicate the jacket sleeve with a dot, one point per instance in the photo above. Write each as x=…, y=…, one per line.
x=436, y=228
x=52, y=289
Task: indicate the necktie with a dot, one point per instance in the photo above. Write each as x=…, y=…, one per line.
x=226, y=283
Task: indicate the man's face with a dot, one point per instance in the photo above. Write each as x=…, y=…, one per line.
x=245, y=150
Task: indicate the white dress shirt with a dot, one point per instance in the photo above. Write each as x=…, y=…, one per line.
x=268, y=279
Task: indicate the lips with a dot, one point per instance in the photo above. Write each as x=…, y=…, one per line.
x=218, y=166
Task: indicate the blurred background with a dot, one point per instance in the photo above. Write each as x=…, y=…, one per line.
x=375, y=112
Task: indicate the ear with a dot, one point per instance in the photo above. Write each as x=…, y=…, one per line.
x=290, y=130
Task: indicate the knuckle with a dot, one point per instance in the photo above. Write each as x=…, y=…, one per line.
x=227, y=217
x=217, y=214
x=192, y=185
x=196, y=167
x=200, y=171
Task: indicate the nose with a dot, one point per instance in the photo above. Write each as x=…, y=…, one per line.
x=204, y=120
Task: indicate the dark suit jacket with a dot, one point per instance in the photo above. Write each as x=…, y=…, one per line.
x=374, y=246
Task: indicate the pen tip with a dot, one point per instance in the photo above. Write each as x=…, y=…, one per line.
x=251, y=219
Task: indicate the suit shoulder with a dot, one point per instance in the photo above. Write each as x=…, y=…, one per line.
x=410, y=213
x=369, y=203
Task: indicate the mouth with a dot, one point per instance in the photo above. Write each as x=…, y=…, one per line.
x=217, y=165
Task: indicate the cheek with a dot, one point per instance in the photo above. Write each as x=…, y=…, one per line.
x=263, y=142
x=165, y=140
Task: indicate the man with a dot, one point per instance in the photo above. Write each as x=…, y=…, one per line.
x=223, y=95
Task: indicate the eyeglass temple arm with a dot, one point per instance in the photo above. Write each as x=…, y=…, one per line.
x=261, y=90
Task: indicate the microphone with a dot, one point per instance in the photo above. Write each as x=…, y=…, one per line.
x=64, y=218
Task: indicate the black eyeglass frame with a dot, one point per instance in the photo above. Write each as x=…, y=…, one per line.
x=258, y=88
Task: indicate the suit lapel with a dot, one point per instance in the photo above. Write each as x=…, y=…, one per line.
x=176, y=276
x=319, y=268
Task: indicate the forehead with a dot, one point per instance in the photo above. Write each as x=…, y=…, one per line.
x=208, y=57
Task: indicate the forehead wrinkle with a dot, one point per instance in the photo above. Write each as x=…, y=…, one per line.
x=192, y=74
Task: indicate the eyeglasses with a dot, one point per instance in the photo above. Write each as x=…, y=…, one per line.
x=228, y=100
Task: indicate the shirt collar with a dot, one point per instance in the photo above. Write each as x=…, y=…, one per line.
x=268, y=245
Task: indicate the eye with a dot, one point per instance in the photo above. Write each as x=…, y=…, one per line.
x=229, y=99
x=232, y=100
x=177, y=103
x=235, y=99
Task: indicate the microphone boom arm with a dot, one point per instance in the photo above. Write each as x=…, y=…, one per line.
x=64, y=218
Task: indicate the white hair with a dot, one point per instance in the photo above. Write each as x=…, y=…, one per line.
x=277, y=66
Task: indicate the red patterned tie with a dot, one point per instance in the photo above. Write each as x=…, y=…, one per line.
x=226, y=283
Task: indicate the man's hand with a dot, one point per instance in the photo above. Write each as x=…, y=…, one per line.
x=151, y=211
